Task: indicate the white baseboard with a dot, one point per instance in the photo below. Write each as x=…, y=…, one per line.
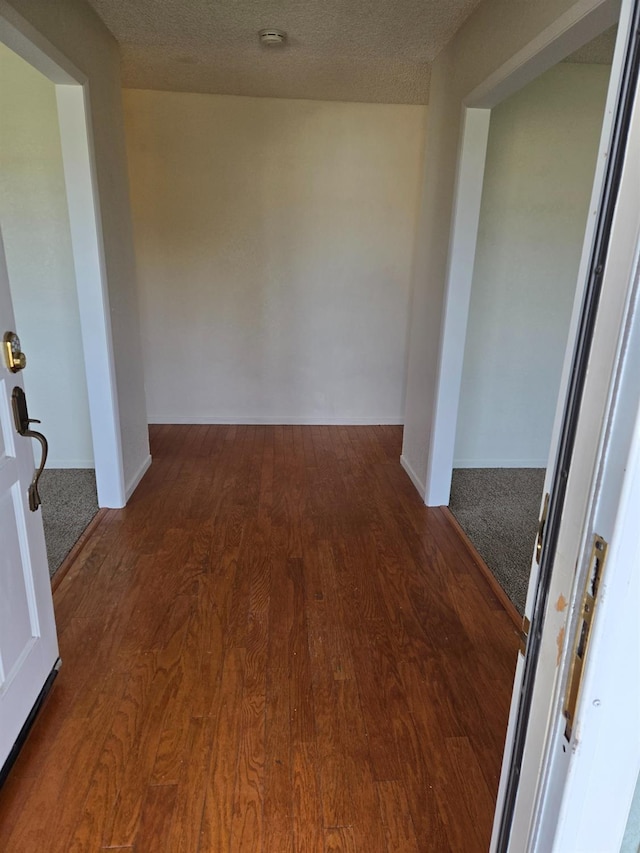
x=285, y=420
x=417, y=482
x=52, y=462
x=500, y=463
x=133, y=483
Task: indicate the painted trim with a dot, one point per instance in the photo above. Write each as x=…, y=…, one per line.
x=576, y=27
x=23, y=38
x=417, y=482
x=72, y=96
x=93, y=297
x=134, y=482
x=500, y=463
x=462, y=252
x=69, y=463
x=284, y=420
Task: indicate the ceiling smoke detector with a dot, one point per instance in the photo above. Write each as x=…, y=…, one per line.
x=272, y=37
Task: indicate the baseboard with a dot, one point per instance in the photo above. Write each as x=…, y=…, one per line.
x=133, y=483
x=417, y=482
x=500, y=463
x=284, y=420
x=63, y=464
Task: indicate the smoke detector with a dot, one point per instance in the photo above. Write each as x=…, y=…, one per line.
x=272, y=37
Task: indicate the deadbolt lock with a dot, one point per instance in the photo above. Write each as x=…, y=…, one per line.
x=14, y=358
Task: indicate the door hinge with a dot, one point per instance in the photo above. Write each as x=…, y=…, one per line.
x=524, y=635
x=597, y=562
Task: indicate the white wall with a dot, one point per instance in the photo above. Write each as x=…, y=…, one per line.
x=274, y=242
x=77, y=32
x=541, y=155
x=35, y=228
x=494, y=32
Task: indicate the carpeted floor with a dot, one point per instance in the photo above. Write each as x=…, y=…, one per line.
x=498, y=510
x=69, y=502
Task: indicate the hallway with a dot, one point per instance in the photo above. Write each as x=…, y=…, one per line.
x=275, y=647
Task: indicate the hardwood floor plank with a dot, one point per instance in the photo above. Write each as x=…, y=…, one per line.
x=158, y=808
x=469, y=776
x=274, y=647
x=340, y=839
x=382, y=698
x=246, y=827
x=184, y=834
x=138, y=729
x=278, y=795
x=418, y=781
x=308, y=825
x=399, y=830
x=217, y=815
x=71, y=762
x=301, y=708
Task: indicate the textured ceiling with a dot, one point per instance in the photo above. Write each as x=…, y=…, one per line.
x=346, y=50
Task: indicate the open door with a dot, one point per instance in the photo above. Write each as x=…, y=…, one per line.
x=28, y=642
x=578, y=519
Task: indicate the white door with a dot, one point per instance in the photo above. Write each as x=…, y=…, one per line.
x=539, y=744
x=28, y=642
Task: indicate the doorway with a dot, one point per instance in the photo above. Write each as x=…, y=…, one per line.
x=37, y=239
x=58, y=279
x=566, y=544
x=541, y=156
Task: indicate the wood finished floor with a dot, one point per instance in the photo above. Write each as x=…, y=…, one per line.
x=276, y=647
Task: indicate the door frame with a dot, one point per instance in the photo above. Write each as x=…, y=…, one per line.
x=602, y=772
x=582, y=22
x=594, y=773
x=73, y=102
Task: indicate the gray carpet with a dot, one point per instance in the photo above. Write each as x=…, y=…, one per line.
x=498, y=510
x=69, y=502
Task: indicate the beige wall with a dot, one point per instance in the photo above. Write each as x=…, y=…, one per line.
x=493, y=34
x=76, y=31
x=274, y=243
x=37, y=239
